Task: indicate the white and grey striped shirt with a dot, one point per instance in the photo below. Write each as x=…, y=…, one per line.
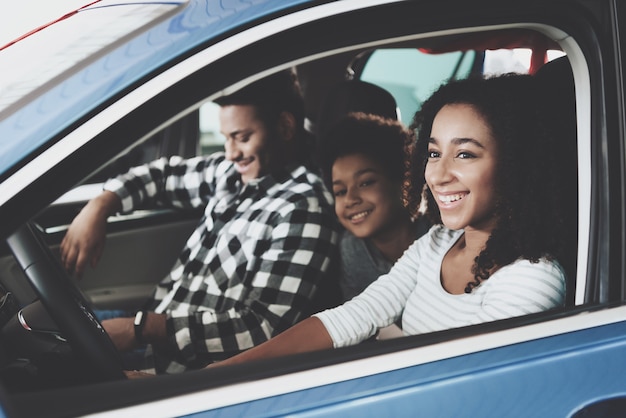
x=412, y=290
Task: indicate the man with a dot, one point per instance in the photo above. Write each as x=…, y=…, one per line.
x=254, y=263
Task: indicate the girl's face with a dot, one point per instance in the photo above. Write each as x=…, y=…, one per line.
x=461, y=168
x=366, y=200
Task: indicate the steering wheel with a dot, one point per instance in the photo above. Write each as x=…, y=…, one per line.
x=66, y=304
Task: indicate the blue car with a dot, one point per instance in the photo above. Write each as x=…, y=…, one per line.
x=119, y=83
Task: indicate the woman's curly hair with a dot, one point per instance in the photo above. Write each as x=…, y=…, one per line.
x=528, y=221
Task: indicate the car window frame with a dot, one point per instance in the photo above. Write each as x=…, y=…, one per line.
x=233, y=79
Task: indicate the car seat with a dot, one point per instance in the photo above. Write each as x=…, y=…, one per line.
x=351, y=96
x=343, y=98
x=354, y=96
x=557, y=101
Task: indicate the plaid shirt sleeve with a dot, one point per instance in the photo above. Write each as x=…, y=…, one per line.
x=173, y=182
x=280, y=290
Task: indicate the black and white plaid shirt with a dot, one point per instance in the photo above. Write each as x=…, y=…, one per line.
x=252, y=266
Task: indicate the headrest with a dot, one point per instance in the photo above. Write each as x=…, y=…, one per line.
x=354, y=96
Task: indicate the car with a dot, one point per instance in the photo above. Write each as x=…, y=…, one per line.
x=117, y=83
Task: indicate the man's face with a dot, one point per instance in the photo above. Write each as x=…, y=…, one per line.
x=249, y=143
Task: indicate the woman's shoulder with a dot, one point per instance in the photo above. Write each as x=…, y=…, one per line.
x=547, y=266
x=543, y=273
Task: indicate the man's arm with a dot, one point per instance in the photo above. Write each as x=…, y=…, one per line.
x=122, y=331
x=175, y=181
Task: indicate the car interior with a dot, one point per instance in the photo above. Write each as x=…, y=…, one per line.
x=142, y=246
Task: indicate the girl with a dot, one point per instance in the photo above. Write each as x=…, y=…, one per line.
x=364, y=165
x=479, y=160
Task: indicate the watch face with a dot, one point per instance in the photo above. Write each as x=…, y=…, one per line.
x=138, y=318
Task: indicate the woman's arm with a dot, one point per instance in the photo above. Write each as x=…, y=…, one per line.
x=308, y=335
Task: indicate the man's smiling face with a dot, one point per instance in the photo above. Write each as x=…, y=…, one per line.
x=249, y=144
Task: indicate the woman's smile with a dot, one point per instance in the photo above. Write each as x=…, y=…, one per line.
x=447, y=199
x=461, y=167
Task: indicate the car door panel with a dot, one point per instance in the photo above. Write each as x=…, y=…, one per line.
x=522, y=380
x=133, y=261
x=138, y=253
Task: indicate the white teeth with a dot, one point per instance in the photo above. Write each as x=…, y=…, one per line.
x=359, y=215
x=451, y=198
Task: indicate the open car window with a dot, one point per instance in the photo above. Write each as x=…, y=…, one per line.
x=178, y=117
x=409, y=70
x=410, y=74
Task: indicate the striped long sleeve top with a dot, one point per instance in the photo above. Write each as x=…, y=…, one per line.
x=412, y=291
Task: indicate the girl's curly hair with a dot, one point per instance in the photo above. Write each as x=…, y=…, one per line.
x=529, y=224
x=383, y=140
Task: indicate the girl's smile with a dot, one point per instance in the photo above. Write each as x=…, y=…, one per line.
x=359, y=216
x=366, y=200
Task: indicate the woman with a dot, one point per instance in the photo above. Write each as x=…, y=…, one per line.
x=490, y=255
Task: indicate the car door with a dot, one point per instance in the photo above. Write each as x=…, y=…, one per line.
x=547, y=364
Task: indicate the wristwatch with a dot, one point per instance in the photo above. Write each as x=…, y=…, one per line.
x=140, y=321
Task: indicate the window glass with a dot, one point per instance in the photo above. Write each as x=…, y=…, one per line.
x=502, y=61
x=211, y=139
x=411, y=76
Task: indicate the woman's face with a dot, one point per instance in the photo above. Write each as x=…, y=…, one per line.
x=366, y=200
x=461, y=168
